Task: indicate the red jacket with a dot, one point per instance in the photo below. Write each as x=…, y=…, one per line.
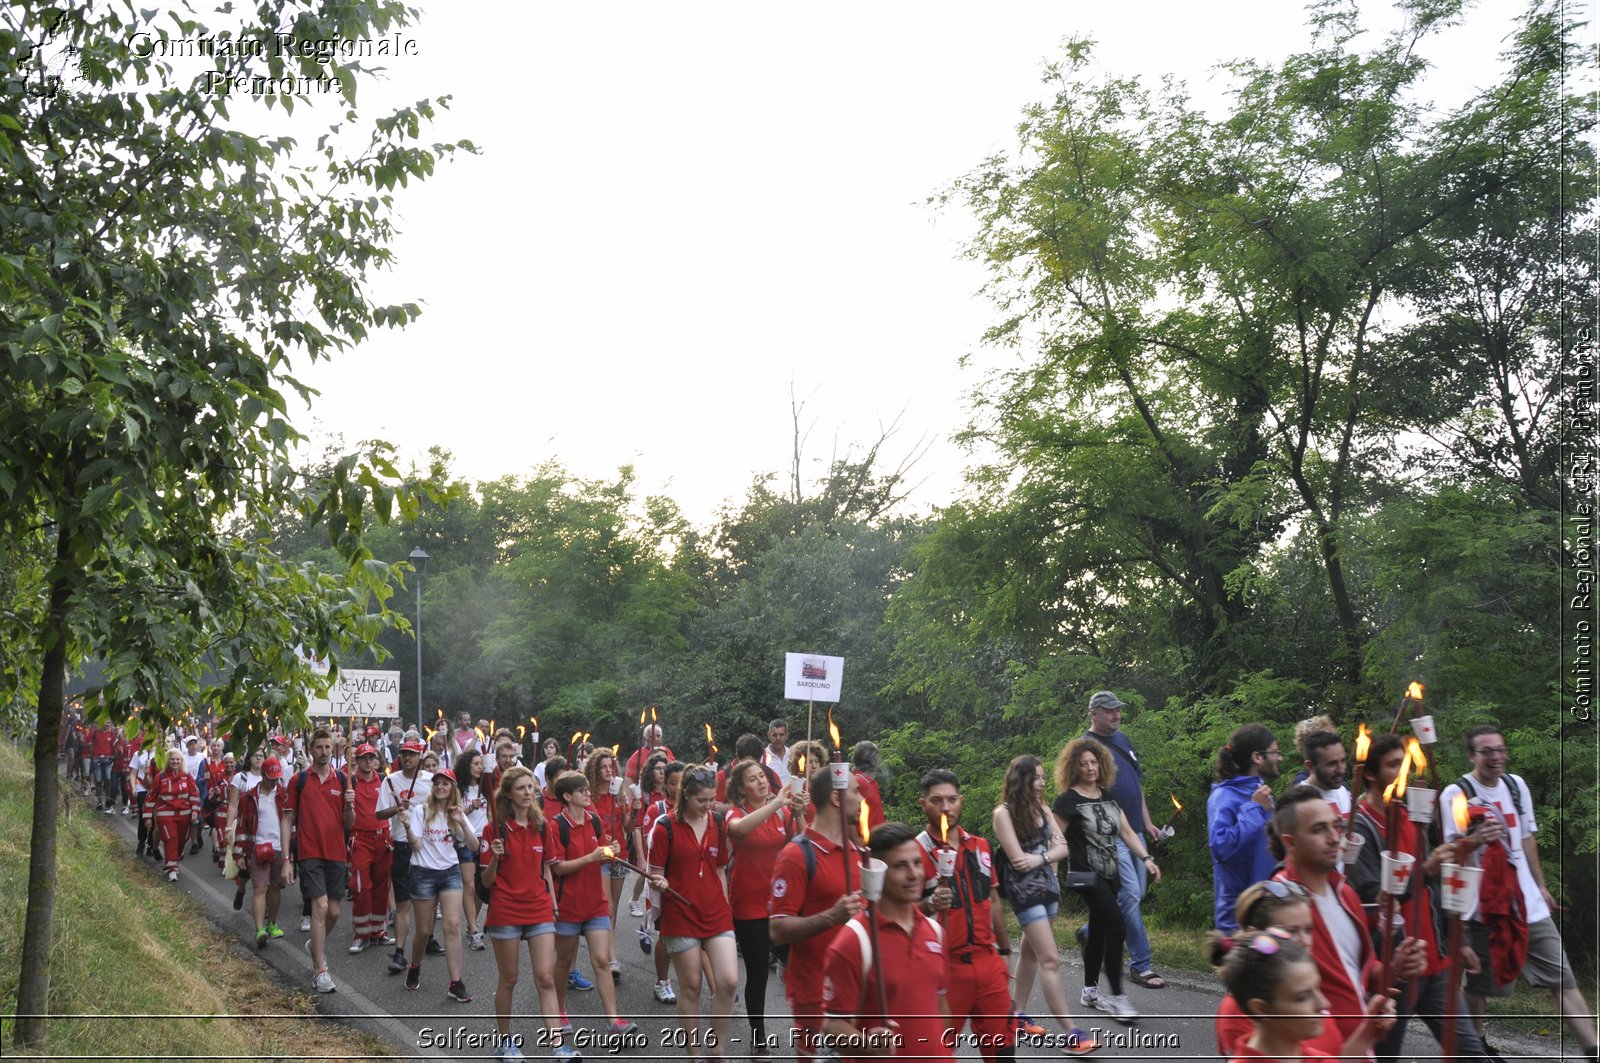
x=173, y=794
x=1347, y=1003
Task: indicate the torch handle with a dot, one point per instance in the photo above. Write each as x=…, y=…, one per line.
x=872, y=932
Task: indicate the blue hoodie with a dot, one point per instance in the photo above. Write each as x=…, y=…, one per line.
x=1236, y=828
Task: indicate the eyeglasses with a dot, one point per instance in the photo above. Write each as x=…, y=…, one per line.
x=1491, y=751
x=1283, y=890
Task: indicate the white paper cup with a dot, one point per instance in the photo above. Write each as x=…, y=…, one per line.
x=1422, y=727
x=1397, y=871
x=1420, y=803
x=841, y=775
x=944, y=861
x=872, y=872
x=1350, y=848
x=1460, y=884
x=616, y=785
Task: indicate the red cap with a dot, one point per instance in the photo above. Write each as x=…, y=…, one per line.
x=365, y=750
x=372, y=729
x=414, y=746
x=445, y=773
x=272, y=768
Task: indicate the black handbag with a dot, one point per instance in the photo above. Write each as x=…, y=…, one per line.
x=1038, y=886
x=1077, y=881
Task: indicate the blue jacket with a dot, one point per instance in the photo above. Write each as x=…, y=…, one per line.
x=1236, y=828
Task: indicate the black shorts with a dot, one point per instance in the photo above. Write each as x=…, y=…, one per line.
x=400, y=872
x=323, y=878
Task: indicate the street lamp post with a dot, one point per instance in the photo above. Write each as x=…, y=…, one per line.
x=419, y=561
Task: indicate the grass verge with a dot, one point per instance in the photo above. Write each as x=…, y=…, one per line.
x=132, y=959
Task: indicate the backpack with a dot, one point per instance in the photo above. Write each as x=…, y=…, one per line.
x=1465, y=783
x=722, y=837
x=565, y=830
x=298, y=785
x=486, y=892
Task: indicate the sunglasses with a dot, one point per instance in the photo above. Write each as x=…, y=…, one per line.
x=1284, y=890
x=700, y=778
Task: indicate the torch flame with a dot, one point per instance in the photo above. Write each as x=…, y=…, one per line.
x=642, y=711
x=800, y=765
x=522, y=732
x=1399, y=783
x=833, y=730
x=1419, y=760
x=586, y=735
x=864, y=821
x=1414, y=691
x=1458, y=812
x=944, y=828
x=479, y=732
x=574, y=739
x=431, y=733
x=616, y=749
x=1363, y=743
x=709, y=740
x=652, y=715
x=1175, y=802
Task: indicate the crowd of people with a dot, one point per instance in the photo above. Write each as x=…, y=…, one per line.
x=890, y=938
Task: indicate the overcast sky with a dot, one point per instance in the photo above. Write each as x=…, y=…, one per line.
x=681, y=208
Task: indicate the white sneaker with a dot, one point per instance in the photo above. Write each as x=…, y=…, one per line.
x=616, y=969
x=475, y=942
x=636, y=909
x=305, y=924
x=1119, y=1007
x=172, y=876
x=664, y=993
x=1091, y=998
x=358, y=945
x=323, y=982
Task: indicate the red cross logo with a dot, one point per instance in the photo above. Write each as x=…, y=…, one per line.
x=1455, y=882
x=1402, y=873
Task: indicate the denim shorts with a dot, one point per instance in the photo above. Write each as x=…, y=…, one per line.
x=612, y=869
x=676, y=944
x=572, y=930
x=519, y=932
x=465, y=855
x=426, y=883
x=1036, y=913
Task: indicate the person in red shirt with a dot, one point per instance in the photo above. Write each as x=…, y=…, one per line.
x=512, y=856
x=904, y=968
x=689, y=854
x=611, y=801
x=761, y=820
x=102, y=752
x=573, y=843
x=1275, y=982
x=747, y=747
x=121, y=758
x=322, y=805
x=649, y=746
x=1283, y=909
x=809, y=904
x=173, y=804
x=370, y=858
x=865, y=759
x=552, y=805
x=671, y=775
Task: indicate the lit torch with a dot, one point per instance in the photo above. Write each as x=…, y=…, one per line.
x=711, y=746
x=1363, y=744
x=572, y=747
x=833, y=730
x=1412, y=696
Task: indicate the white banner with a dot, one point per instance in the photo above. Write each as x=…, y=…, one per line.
x=812, y=677
x=360, y=692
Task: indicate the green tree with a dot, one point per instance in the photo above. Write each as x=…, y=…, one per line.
x=160, y=263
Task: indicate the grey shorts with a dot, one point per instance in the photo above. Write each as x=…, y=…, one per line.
x=676, y=944
x=323, y=878
x=1547, y=966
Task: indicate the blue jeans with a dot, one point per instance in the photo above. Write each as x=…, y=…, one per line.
x=1132, y=873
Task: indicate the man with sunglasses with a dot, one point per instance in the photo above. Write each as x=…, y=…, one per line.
x=1489, y=783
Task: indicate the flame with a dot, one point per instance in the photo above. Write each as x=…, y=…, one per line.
x=522, y=732
x=1175, y=802
x=642, y=711
x=833, y=730
x=1458, y=812
x=652, y=716
x=492, y=727
x=479, y=732
x=800, y=765
x=535, y=721
x=944, y=828
x=574, y=739
x=1363, y=743
x=1414, y=691
x=709, y=740
x=1419, y=760
x=616, y=749
x=431, y=732
x=864, y=821
x=1400, y=780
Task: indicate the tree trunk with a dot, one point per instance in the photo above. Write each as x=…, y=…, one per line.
x=33, y=985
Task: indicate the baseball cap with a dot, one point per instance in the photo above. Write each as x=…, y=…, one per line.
x=1104, y=701
x=279, y=740
x=445, y=773
x=373, y=729
x=272, y=768
x=413, y=746
x=365, y=750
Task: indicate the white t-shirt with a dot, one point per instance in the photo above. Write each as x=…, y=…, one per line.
x=140, y=766
x=193, y=763
x=267, y=830
x=1344, y=932
x=480, y=816
x=778, y=762
x=396, y=789
x=244, y=781
x=1339, y=798
x=1521, y=826
x=438, y=848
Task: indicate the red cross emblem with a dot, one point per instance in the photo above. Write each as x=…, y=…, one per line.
x=1402, y=873
x=1455, y=882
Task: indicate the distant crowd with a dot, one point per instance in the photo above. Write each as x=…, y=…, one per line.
x=887, y=936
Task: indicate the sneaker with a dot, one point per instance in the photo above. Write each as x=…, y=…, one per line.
x=1080, y=1042
x=323, y=982
x=664, y=993
x=457, y=990
x=1026, y=1025
x=172, y=876
x=636, y=909
x=566, y=1024
x=565, y=1052
x=621, y=1027
x=616, y=970
x=1091, y=998
x=384, y=938
x=475, y=942
x=645, y=941
x=509, y=1050
x=274, y=930
x=434, y=948
x=1118, y=1007
x=575, y=980
x=413, y=976
x=262, y=938
x=358, y=945
x=127, y=810
x=397, y=962
x=238, y=899
x=109, y=810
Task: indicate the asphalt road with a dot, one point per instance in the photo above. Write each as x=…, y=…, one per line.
x=1176, y=1022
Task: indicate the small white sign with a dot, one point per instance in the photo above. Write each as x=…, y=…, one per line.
x=316, y=665
x=812, y=677
x=361, y=692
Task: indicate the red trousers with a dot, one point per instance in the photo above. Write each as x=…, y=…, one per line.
x=980, y=991
x=369, y=881
x=173, y=830
x=808, y=1026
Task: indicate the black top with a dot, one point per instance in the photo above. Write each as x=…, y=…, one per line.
x=1093, y=825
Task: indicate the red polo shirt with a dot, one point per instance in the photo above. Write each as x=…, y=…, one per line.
x=794, y=895
x=100, y=742
x=519, y=896
x=318, y=807
x=910, y=965
x=580, y=896
x=873, y=798
x=750, y=884
x=693, y=868
x=612, y=810
x=967, y=923
x=367, y=803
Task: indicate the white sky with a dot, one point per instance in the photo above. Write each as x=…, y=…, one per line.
x=681, y=207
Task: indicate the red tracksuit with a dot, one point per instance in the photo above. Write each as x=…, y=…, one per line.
x=370, y=858
x=174, y=802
